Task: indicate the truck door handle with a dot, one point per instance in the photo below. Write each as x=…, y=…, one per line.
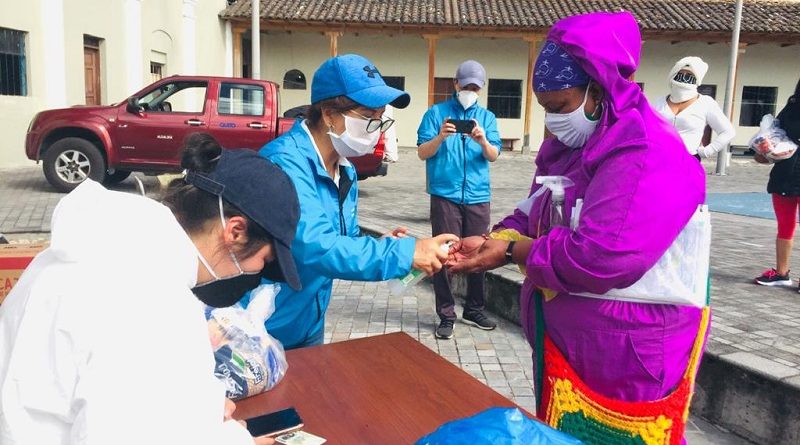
x=257, y=125
x=194, y=122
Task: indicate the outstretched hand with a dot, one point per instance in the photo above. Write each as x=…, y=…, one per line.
x=476, y=254
x=400, y=232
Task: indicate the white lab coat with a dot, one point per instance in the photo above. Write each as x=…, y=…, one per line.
x=102, y=341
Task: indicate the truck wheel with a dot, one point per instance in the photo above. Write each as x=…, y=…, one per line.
x=70, y=161
x=116, y=177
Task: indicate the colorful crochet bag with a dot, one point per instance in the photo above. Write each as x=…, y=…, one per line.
x=569, y=405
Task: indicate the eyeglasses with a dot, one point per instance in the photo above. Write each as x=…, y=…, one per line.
x=685, y=78
x=374, y=125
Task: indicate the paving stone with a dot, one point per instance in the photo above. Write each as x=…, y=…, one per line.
x=763, y=365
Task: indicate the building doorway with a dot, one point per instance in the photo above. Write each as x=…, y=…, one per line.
x=91, y=70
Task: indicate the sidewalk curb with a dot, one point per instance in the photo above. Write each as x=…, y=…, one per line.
x=750, y=403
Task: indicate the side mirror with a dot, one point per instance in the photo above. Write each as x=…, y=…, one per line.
x=133, y=106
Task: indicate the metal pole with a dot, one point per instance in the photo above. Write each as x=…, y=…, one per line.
x=722, y=156
x=255, y=40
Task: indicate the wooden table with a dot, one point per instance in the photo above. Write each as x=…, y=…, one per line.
x=383, y=390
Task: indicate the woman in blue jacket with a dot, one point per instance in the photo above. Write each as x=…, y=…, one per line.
x=345, y=119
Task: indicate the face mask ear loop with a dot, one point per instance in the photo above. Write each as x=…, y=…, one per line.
x=207, y=266
x=221, y=212
x=222, y=220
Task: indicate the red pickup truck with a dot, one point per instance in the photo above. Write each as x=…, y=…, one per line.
x=145, y=132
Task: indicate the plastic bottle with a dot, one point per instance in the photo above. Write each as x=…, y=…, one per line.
x=556, y=185
x=397, y=286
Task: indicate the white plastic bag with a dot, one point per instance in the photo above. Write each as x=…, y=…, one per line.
x=771, y=140
x=681, y=275
x=249, y=360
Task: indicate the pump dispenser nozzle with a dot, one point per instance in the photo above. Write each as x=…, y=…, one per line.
x=556, y=185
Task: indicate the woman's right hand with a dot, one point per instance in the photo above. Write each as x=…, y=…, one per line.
x=429, y=255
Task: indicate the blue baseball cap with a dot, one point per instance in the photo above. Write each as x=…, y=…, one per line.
x=357, y=78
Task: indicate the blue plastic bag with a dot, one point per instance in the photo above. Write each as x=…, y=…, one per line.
x=497, y=426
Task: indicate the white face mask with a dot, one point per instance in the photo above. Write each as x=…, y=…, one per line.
x=467, y=98
x=572, y=129
x=681, y=92
x=355, y=140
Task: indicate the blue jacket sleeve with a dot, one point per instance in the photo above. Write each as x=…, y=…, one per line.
x=320, y=246
x=490, y=128
x=429, y=127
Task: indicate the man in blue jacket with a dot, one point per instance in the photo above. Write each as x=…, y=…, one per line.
x=458, y=182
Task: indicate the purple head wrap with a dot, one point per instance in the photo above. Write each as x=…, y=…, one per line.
x=556, y=70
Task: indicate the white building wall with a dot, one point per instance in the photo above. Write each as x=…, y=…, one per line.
x=405, y=55
x=16, y=111
x=132, y=33
x=761, y=65
x=400, y=55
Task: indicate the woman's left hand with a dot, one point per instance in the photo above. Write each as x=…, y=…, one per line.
x=400, y=232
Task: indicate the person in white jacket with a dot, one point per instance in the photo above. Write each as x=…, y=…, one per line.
x=690, y=112
x=104, y=339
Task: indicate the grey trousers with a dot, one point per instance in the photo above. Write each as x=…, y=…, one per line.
x=463, y=220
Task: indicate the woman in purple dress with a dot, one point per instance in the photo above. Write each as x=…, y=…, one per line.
x=639, y=188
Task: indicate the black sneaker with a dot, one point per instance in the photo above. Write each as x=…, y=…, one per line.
x=479, y=320
x=445, y=329
x=772, y=278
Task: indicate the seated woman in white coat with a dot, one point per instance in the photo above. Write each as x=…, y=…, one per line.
x=690, y=112
x=104, y=339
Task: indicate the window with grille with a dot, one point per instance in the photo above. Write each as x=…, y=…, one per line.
x=398, y=82
x=505, y=98
x=443, y=88
x=13, y=69
x=156, y=71
x=756, y=102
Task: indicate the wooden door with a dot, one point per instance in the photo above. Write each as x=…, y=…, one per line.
x=91, y=67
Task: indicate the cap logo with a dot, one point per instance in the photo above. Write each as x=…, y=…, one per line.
x=371, y=72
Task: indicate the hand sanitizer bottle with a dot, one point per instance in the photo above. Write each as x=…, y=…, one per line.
x=397, y=286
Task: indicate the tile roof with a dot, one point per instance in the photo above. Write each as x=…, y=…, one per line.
x=758, y=17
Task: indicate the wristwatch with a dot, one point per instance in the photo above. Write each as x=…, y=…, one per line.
x=510, y=252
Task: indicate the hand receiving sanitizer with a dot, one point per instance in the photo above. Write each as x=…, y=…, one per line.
x=398, y=286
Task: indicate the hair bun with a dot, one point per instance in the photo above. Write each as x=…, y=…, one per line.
x=200, y=153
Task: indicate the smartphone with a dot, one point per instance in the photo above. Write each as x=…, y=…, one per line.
x=463, y=125
x=275, y=424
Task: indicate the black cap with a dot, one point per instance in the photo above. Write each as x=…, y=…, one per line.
x=265, y=194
